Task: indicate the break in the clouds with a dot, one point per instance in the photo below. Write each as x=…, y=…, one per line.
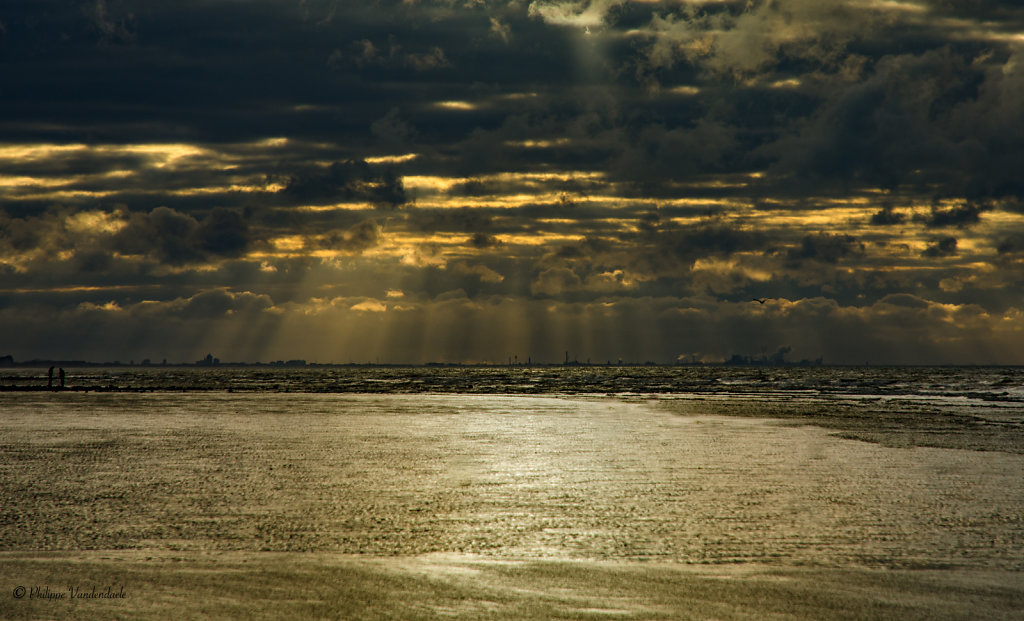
x=455, y=180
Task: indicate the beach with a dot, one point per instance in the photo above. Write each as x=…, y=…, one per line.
x=230, y=505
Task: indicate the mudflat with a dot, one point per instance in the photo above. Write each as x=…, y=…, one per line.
x=229, y=505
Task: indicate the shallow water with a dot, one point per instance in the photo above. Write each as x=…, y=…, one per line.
x=505, y=477
x=976, y=386
x=270, y=504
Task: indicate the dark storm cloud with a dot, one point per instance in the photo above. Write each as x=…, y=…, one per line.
x=224, y=233
x=1012, y=245
x=483, y=240
x=826, y=247
x=346, y=181
x=647, y=139
x=208, y=319
x=961, y=215
x=708, y=238
x=859, y=107
x=888, y=216
x=892, y=128
x=226, y=78
x=212, y=304
x=457, y=220
x=364, y=54
x=19, y=234
x=662, y=258
x=943, y=247
x=176, y=238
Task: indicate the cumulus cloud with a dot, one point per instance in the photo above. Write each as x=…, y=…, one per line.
x=370, y=306
x=484, y=273
x=219, y=303
x=500, y=30
x=580, y=13
x=555, y=281
x=357, y=238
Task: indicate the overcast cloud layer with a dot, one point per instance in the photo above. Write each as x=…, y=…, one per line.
x=472, y=180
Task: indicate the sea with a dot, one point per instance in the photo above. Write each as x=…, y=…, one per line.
x=516, y=492
x=945, y=384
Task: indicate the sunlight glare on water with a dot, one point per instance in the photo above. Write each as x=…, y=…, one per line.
x=500, y=476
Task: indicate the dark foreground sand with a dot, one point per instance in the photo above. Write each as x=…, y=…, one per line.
x=368, y=507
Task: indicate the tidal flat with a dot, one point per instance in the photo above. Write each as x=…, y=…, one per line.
x=235, y=505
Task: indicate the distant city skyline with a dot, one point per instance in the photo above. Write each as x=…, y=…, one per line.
x=439, y=181
x=777, y=358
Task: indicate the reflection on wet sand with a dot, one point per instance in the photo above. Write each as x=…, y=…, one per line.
x=488, y=506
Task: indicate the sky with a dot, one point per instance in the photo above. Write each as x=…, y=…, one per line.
x=470, y=181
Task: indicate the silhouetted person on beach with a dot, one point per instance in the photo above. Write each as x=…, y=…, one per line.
x=49, y=378
x=61, y=375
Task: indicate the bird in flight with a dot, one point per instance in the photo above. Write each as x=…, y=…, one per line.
x=760, y=300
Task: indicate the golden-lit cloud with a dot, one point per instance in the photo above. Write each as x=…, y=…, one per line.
x=370, y=306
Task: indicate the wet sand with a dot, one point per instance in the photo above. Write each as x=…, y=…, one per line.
x=325, y=586
x=326, y=506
